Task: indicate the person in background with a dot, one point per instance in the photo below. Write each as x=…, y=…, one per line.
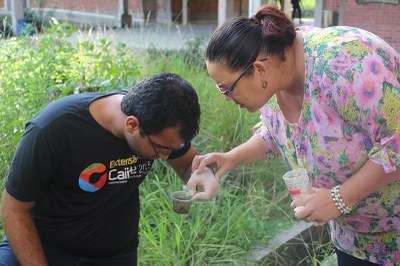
x=281, y=4
x=72, y=193
x=296, y=7
x=328, y=102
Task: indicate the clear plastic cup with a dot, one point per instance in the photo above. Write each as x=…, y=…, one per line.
x=297, y=182
x=181, y=201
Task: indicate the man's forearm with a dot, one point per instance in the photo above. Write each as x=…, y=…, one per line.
x=21, y=232
x=182, y=165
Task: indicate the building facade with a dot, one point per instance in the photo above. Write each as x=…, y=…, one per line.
x=381, y=17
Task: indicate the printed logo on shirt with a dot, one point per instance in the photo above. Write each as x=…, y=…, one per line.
x=95, y=176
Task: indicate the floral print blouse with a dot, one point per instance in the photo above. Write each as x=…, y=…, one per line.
x=350, y=114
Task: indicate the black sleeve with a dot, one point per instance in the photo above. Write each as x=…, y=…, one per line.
x=180, y=152
x=33, y=165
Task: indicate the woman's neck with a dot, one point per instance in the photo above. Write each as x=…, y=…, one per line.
x=290, y=98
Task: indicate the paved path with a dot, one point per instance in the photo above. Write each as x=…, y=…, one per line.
x=153, y=35
x=172, y=36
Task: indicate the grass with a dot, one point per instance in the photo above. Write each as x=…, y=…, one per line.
x=243, y=215
x=253, y=205
x=307, y=4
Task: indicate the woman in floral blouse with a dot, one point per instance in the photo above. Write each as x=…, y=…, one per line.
x=330, y=102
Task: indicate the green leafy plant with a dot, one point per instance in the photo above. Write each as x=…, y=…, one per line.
x=5, y=27
x=36, y=71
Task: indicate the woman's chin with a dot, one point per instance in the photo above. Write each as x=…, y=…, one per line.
x=252, y=109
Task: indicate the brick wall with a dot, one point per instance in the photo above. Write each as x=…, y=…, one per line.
x=207, y=5
x=331, y=5
x=102, y=6
x=381, y=19
x=135, y=5
x=1, y=4
x=203, y=10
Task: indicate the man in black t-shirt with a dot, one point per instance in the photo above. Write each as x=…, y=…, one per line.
x=72, y=194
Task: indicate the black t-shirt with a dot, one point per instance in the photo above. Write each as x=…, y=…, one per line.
x=83, y=179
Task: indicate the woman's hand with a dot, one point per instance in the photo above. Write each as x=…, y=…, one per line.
x=251, y=151
x=221, y=161
x=204, y=186
x=317, y=207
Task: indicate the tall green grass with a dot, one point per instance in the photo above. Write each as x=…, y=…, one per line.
x=253, y=205
x=307, y=4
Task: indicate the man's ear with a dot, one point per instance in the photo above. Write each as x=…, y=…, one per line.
x=132, y=123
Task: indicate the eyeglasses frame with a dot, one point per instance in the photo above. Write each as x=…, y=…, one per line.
x=232, y=86
x=164, y=153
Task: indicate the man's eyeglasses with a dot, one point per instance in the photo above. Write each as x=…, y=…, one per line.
x=166, y=151
x=232, y=86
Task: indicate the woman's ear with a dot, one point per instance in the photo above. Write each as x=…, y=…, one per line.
x=260, y=67
x=132, y=123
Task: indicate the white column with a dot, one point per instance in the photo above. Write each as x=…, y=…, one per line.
x=17, y=13
x=163, y=11
x=184, y=12
x=225, y=10
x=120, y=11
x=287, y=8
x=254, y=5
x=221, y=11
x=318, y=13
x=341, y=12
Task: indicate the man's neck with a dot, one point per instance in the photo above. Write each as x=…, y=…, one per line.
x=107, y=112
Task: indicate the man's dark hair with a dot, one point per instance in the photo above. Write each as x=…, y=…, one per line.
x=162, y=101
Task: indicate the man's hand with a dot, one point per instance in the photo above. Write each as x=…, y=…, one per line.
x=206, y=182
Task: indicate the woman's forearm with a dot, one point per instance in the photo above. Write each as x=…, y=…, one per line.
x=249, y=152
x=370, y=178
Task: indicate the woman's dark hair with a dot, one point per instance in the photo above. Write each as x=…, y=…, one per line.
x=162, y=101
x=238, y=41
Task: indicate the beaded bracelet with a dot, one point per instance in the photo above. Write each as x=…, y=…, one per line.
x=337, y=200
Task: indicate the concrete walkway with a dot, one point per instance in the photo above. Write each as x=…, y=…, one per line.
x=152, y=35
x=159, y=36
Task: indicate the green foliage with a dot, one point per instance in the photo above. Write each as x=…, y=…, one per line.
x=36, y=71
x=39, y=20
x=5, y=26
x=307, y=4
x=246, y=213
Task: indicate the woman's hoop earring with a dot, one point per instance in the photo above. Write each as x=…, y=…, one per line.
x=264, y=84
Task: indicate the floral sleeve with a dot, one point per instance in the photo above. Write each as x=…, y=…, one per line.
x=367, y=93
x=263, y=131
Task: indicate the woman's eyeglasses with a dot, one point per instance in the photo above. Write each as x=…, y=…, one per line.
x=232, y=86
